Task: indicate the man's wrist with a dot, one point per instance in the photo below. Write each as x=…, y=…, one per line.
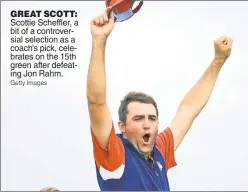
x=99, y=40
x=219, y=61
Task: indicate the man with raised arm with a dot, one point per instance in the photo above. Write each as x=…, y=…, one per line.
x=138, y=159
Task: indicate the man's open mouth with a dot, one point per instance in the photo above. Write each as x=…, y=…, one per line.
x=146, y=137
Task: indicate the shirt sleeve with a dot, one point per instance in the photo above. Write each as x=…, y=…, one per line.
x=165, y=144
x=112, y=158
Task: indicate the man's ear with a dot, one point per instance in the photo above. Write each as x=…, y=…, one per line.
x=121, y=126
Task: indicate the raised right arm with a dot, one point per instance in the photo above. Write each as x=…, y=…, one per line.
x=108, y=149
x=100, y=118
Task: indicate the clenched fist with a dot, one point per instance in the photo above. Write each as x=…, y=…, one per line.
x=102, y=26
x=223, y=47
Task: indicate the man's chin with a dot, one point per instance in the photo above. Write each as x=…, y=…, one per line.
x=145, y=150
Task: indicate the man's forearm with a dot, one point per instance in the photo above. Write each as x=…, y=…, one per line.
x=96, y=82
x=199, y=95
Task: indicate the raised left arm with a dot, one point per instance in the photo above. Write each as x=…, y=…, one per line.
x=196, y=99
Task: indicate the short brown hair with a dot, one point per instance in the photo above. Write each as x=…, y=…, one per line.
x=49, y=189
x=134, y=96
